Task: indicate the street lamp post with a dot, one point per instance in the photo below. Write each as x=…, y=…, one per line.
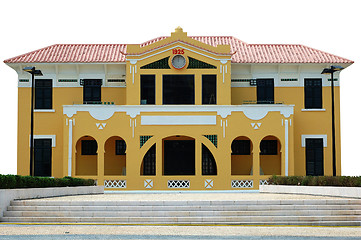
x=33, y=73
x=331, y=70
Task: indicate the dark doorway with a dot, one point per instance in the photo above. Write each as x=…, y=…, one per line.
x=42, y=157
x=314, y=156
x=178, y=89
x=92, y=91
x=265, y=91
x=179, y=157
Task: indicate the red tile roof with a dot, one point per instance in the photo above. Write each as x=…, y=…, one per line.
x=241, y=52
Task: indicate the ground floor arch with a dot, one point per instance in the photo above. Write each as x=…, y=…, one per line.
x=270, y=156
x=115, y=156
x=86, y=156
x=241, y=156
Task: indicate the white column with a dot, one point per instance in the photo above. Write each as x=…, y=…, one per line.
x=286, y=147
x=70, y=147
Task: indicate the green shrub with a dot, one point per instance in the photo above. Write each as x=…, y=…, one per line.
x=341, y=181
x=16, y=181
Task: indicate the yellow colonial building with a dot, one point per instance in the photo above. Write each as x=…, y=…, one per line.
x=178, y=113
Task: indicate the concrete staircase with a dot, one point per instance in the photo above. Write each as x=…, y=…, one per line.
x=333, y=212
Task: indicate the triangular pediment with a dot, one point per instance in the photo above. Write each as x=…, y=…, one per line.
x=177, y=38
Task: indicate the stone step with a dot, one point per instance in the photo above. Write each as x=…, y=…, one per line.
x=186, y=203
x=322, y=212
x=178, y=213
x=195, y=223
x=185, y=208
x=187, y=220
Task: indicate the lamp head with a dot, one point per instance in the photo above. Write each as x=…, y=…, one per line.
x=332, y=69
x=327, y=71
x=38, y=73
x=32, y=70
x=337, y=68
x=29, y=69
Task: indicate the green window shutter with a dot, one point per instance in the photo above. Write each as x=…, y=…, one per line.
x=213, y=139
x=197, y=64
x=160, y=64
x=144, y=139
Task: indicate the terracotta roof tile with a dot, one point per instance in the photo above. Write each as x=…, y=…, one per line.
x=241, y=52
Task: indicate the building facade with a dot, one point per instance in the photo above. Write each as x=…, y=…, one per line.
x=178, y=112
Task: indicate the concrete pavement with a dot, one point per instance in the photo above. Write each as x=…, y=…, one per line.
x=77, y=232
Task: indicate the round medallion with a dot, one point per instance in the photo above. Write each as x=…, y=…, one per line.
x=178, y=61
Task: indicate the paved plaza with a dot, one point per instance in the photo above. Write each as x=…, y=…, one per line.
x=64, y=232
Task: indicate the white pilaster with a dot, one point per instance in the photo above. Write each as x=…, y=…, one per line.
x=286, y=147
x=70, y=147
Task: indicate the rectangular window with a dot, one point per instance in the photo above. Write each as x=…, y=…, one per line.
x=178, y=89
x=92, y=91
x=313, y=93
x=43, y=93
x=269, y=147
x=120, y=147
x=89, y=147
x=147, y=89
x=241, y=147
x=265, y=91
x=42, y=157
x=314, y=156
x=209, y=89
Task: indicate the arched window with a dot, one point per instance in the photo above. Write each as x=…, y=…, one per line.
x=148, y=167
x=209, y=166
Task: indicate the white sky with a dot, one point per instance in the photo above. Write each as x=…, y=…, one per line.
x=328, y=25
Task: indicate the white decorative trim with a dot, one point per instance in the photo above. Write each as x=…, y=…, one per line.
x=208, y=183
x=44, y=110
x=52, y=137
x=304, y=137
x=178, y=120
x=223, y=61
x=313, y=110
x=256, y=125
x=179, y=184
x=102, y=113
x=286, y=147
x=133, y=123
x=242, y=183
x=70, y=147
x=252, y=111
x=148, y=183
x=115, y=183
x=100, y=126
x=223, y=74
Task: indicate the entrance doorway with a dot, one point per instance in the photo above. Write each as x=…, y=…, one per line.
x=179, y=157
